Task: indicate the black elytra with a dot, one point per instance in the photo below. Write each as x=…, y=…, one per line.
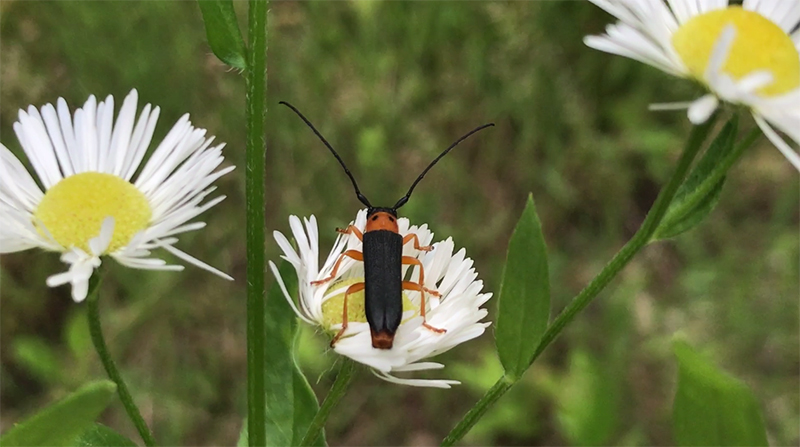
x=383, y=280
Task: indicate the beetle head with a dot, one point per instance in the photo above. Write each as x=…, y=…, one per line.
x=382, y=219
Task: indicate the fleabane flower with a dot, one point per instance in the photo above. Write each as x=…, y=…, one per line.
x=455, y=313
x=746, y=55
x=93, y=196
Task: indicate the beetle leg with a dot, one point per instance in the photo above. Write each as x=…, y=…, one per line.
x=420, y=287
x=408, y=260
x=355, y=254
x=352, y=229
x=413, y=236
x=357, y=287
x=408, y=285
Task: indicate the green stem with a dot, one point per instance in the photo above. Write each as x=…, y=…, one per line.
x=620, y=260
x=254, y=203
x=719, y=171
x=636, y=243
x=338, y=390
x=96, y=332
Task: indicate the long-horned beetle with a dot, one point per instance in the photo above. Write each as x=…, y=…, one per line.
x=383, y=258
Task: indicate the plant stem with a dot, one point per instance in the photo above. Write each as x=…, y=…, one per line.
x=254, y=203
x=338, y=390
x=636, y=243
x=620, y=260
x=96, y=332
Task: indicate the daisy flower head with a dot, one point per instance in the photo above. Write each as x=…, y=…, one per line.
x=745, y=54
x=92, y=195
x=448, y=314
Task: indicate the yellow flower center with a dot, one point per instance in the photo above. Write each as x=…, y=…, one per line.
x=759, y=45
x=73, y=210
x=332, y=308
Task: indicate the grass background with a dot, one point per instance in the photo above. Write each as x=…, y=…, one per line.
x=391, y=84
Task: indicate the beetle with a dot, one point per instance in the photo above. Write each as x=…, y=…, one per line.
x=382, y=255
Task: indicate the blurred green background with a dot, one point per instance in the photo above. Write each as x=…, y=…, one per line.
x=391, y=84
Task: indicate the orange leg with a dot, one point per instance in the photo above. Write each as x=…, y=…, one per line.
x=352, y=229
x=408, y=285
x=408, y=260
x=355, y=254
x=413, y=236
x=357, y=287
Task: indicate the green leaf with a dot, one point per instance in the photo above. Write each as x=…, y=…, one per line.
x=699, y=194
x=696, y=214
x=588, y=406
x=306, y=406
x=37, y=357
x=291, y=403
x=222, y=31
x=711, y=407
x=62, y=422
x=102, y=436
x=76, y=333
x=243, y=440
x=524, y=303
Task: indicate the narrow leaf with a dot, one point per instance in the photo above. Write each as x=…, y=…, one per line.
x=243, y=440
x=36, y=356
x=222, y=31
x=696, y=214
x=306, y=406
x=62, y=422
x=524, y=303
x=587, y=403
x=291, y=403
x=100, y=436
x=711, y=407
x=76, y=334
x=699, y=194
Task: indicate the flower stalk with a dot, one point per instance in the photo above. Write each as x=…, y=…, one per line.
x=338, y=390
x=256, y=81
x=96, y=332
x=609, y=272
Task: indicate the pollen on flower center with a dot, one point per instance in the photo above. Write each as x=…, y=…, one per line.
x=73, y=210
x=333, y=306
x=759, y=45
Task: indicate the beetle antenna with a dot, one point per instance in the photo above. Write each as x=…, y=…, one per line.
x=360, y=196
x=404, y=199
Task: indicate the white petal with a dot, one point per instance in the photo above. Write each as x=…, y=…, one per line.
x=784, y=13
x=720, y=52
x=79, y=290
x=192, y=260
x=445, y=384
x=419, y=366
x=121, y=137
x=670, y=106
x=286, y=294
x=702, y=108
x=99, y=244
x=773, y=136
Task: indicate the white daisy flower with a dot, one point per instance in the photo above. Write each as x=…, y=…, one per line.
x=92, y=198
x=747, y=55
x=452, y=317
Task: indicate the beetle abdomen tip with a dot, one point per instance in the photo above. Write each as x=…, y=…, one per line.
x=382, y=340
